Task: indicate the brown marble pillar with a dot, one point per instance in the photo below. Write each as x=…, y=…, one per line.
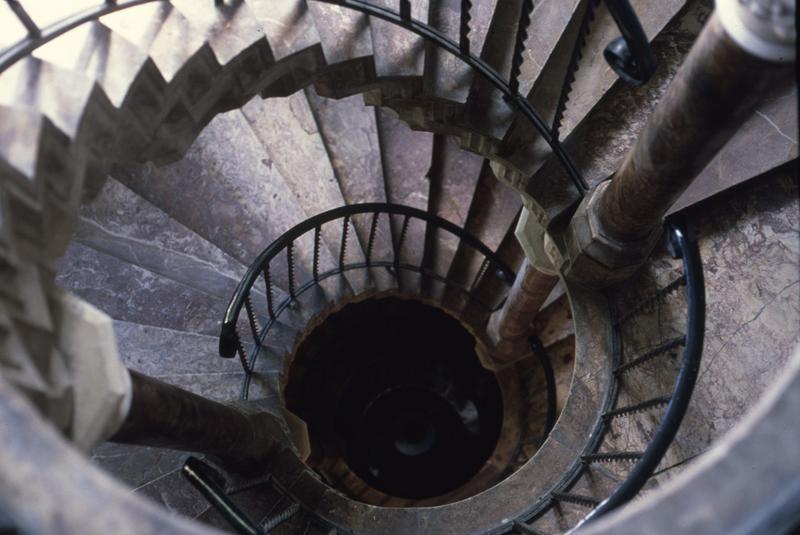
x=165, y=416
x=509, y=327
x=713, y=92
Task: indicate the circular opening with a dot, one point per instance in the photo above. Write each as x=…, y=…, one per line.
x=394, y=394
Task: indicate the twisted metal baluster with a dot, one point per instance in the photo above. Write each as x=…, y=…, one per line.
x=268, y=284
x=466, y=17
x=317, y=243
x=371, y=241
x=402, y=238
x=519, y=47
x=572, y=66
x=479, y=275
x=290, y=266
x=242, y=352
x=343, y=249
x=405, y=9
x=255, y=328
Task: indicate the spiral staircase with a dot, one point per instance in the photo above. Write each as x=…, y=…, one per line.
x=233, y=178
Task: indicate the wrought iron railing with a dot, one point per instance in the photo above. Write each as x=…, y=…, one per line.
x=329, y=235
x=683, y=245
x=629, y=56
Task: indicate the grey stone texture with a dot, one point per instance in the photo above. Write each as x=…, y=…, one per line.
x=127, y=292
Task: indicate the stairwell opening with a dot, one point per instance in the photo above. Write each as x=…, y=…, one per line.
x=398, y=406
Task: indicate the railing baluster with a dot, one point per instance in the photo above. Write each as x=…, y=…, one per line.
x=371, y=241
x=317, y=243
x=24, y=18
x=343, y=247
x=268, y=284
x=405, y=9
x=401, y=239
x=479, y=275
x=255, y=328
x=243, y=357
x=290, y=266
x=466, y=17
x=519, y=47
x=572, y=66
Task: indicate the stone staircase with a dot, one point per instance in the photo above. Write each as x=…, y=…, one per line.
x=150, y=155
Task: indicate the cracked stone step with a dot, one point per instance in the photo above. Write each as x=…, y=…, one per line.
x=123, y=224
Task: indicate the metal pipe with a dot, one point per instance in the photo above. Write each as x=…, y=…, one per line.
x=714, y=91
x=165, y=416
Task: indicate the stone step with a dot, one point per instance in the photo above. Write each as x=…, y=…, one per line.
x=129, y=293
x=523, y=148
x=292, y=142
x=294, y=41
x=406, y=157
x=226, y=189
x=454, y=176
x=446, y=76
x=349, y=131
x=492, y=214
x=122, y=224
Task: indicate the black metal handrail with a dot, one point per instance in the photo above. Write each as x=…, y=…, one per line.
x=683, y=244
x=230, y=339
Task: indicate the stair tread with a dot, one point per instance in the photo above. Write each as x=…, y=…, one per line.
x=287, y=24
x=399, y=52
x=133, y=294
x=492, y=213
x=218, y=172
x=406, y=157
x=344, y=33
x=123, y=224
x=445, y=75
x=190, y=360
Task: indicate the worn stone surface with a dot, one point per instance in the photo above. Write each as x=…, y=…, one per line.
x=752, y=315
x=344, y=33
x=130, y=293
x=122, y=224
x=602, y=140
x=398, y=52
x=406, y=162
x=766, y=140
x=446, y=76
x=350, y=133
x=226, y=189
